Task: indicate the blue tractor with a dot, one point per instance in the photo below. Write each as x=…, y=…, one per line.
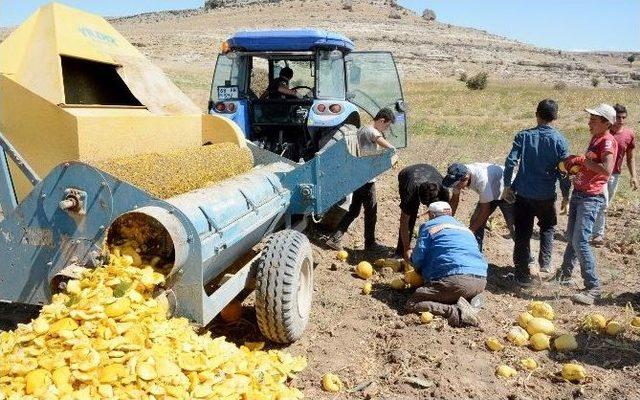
x=332, y=84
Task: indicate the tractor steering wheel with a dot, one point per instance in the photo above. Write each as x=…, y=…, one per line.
x=310, y=89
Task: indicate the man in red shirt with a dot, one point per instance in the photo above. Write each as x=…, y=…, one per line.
x=586, y=201
x=626, y=140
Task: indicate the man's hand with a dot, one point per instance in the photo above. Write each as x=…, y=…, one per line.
x=407, y=255
x=633, y=182
x=564, y=206
x=508, y=195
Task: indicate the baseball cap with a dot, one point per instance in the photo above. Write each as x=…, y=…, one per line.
x=603, y=110
x=439, y=207
x=455, y=173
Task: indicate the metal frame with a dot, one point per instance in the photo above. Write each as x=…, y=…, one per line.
x=8, y=197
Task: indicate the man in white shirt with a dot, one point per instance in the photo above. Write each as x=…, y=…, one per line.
x=486, y=180
x=370, y=140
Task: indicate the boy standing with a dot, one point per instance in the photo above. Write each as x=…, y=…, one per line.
x=586, y=200
x=369, y=138
x=626, y=140
x=537, y=152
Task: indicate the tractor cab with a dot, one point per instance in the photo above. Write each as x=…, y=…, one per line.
x=290, y=91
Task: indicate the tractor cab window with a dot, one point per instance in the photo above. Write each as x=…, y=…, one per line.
x=298, y=75
x=259, y=76
x=229, y=78
x=330, y=75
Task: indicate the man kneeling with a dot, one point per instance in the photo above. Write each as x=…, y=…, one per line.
x=448, y=258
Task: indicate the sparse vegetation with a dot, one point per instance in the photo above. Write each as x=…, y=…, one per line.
x=429, y=15
x=560, y=85
x=631, y=59
x=463, y=77
x=595, y=81
x=478, y=81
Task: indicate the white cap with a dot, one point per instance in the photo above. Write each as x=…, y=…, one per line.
x=604, y=110
x=439, y=208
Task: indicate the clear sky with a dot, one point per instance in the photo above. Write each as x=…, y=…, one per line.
x=558, y=24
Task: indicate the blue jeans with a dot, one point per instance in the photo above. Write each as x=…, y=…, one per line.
x=583, y=210
x=609, y=193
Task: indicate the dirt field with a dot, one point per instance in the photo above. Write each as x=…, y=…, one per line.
x=382, y=353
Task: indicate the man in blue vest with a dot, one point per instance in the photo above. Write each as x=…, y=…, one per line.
x=454, y=269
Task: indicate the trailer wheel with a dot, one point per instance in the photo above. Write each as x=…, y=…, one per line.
x=284, y=286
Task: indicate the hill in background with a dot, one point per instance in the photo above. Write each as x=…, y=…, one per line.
x=424, y=49
x=185, y=43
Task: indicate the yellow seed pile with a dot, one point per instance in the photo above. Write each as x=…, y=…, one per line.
x=169, y=174
x=106, y=337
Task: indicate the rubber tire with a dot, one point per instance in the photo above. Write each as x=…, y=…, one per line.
x=282, y=318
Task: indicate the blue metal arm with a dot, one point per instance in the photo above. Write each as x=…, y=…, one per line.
x=8, y=201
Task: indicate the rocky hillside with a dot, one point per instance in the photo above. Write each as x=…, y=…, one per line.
x=424, y=49
x=187, y=41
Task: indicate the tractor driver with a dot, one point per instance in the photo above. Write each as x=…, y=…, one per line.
x=279, y=87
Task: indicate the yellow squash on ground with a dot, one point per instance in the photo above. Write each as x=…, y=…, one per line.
x=426, y=317
x=524, y=318
x=494, y=344
x=539, y=341
x=614, y=328
x=331, y=383
x=573, y=372
x=518, y=336
x=541, y=309
x=505, y=371
x=364, y=270
x=528, y=364
x=594, y=322
x=540, y=325
x=566, y=342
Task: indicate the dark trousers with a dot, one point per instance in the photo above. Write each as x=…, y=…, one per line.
x=524, y=212
x=507, y=212
x=440, y=296
x=413, y=216
x=364, y=196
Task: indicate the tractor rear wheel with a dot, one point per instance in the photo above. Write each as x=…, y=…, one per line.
x=284, y=286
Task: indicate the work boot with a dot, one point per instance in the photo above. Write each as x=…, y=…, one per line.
x=586, y=297
x=335, y=241
x=477, y=301
x=524, y=281
x=468, y=314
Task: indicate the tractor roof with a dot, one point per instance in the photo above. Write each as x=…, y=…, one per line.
x=289, y=40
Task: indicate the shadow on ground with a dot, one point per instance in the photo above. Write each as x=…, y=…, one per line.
x=604, y=351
